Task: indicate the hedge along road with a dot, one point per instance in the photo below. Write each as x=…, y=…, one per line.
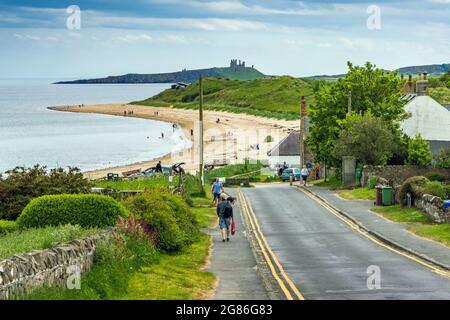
x=316, y=255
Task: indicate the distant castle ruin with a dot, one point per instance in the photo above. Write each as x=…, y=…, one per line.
x=235, y=64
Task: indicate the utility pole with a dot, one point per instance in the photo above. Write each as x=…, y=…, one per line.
x=201, y=166
x=349, y=108
x=302, y=131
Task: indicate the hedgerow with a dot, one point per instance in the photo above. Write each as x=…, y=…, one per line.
x=85, y=210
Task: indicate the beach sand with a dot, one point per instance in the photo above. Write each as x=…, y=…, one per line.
x=233, y=139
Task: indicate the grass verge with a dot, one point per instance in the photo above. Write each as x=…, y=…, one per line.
x=22, y=241
x=402, y=215
x=439, y=233
x=331, y=183
x=357, y=194
x=175, y=277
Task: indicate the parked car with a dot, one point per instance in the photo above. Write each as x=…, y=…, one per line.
x=291, y=172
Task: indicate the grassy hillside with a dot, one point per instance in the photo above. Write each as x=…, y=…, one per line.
x=240, y=73
x=274, y=97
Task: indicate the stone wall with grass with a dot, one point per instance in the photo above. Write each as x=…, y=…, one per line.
x=398, y=174
x=24, y=273
x=434, y=208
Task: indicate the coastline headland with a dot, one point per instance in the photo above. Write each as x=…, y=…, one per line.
x=228, y=137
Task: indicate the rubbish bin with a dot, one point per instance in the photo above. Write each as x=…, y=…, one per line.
x=379, y=198
x=358, y=176
x=387, y=196
x=446, y=204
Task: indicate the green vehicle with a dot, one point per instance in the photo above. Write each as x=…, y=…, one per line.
x=295, y=173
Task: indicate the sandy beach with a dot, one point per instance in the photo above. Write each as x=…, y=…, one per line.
x=228, y=137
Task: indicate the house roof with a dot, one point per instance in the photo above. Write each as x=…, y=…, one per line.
x=428, y=118
x=289, y=146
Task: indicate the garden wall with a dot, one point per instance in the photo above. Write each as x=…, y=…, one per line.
x=398, y=174
x=434, y=208
x=52, y=267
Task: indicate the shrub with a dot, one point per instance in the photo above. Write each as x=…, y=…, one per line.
x=7, y=226
x=21, y=185
x=268, y=139
x=410, y=185
x=435, y=188
x=168, y=215
x=419, y=153
x=443, y=159
x=84, y=210
x=435, y=176
x=372, y=182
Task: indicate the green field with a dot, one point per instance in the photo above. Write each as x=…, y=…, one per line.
x=274, y=97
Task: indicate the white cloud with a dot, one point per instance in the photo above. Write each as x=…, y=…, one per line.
x=132, y=38
x=27, y=37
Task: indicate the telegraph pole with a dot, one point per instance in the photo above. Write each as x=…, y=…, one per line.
x=302, y=131
x=201, y=166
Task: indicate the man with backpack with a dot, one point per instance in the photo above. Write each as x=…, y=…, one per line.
x=225, y=214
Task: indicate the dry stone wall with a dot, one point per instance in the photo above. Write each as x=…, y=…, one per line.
x=23, y=273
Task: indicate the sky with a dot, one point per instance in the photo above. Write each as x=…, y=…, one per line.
x=278, y=37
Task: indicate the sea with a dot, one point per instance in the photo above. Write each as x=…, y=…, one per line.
x=31, y=134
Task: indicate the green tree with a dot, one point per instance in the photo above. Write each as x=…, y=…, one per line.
x=419, y=153
x=371, y=90
x=367, y=138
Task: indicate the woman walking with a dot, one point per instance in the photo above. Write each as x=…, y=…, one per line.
x=305, y=174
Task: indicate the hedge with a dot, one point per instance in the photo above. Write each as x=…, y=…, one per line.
x=7, y=226
x=86, y=210
x=168, y=214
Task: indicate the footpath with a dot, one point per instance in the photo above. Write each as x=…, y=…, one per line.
x=235, y=266
x=393, y=233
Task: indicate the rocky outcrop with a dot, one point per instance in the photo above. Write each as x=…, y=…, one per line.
x=434, y=208
x=23, y=273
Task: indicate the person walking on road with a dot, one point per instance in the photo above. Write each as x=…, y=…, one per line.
x=217, y=189
x=158, y=168
x=305, y=174
x=225, y=214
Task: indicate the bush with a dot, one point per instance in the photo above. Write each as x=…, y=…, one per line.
x=7, y=226
x=268, y=139
x=85, y=210
x=435, y=176
x=419, y=153
x=21, y=185
x=443, y=159
x=434, y=188
x=168, y=215
x=411, y=185
x=372, y=182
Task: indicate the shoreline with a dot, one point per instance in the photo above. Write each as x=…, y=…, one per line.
x=231, y=139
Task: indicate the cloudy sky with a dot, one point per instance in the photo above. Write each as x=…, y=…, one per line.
x=299, y=38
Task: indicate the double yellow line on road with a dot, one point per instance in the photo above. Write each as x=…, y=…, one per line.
x=372, y=238
x=287, y=286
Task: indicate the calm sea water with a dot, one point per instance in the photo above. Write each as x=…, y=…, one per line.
x=30, y=134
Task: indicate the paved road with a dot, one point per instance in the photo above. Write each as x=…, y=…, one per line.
x=326, y=259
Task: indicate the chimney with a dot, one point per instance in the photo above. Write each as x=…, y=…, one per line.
x=422, y=85
x=410, y=84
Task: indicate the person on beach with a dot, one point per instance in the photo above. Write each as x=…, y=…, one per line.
x=217, y=189
x=158, y=168
x=225, y=215
x=162, y=135
x=305, y=174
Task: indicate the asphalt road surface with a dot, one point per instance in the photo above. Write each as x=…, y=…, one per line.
x=326, y=259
